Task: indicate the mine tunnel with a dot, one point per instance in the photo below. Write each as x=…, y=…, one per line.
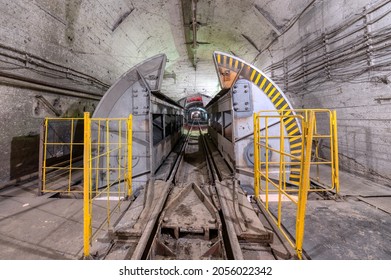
x=195, y=130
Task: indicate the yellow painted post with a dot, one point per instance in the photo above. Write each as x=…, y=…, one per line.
x=130, y=153
x=86, y=183
x=305, y=183
x=335, y=146
x=316, y=156
x=266, y=163
x=119, y=170
x=98, y=146
x=256, y=156
x=70, y=158
x=280, y=183
x=45, y=155
x=108, y=184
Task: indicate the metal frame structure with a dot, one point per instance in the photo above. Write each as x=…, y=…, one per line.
x=266, y=184
x=245, y=90
x=283, y=145
x=116, y=169
x=137, y=92
x=104, y=169
x=60, y=156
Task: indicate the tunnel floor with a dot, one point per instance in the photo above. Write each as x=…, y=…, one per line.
x=358, y=226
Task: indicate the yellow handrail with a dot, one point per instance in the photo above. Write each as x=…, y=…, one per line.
x=86, y=183
x=293, y=157
x=256, y=156
x=335, y=154
x=107, y=149
x=304, y=184
x=129, y=138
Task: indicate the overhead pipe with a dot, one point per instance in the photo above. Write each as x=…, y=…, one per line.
x=23, y=82
x=28, y=58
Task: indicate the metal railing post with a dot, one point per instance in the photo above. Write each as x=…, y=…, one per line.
x=256, y=156
x=86, y=183
x=305, y=182
x=266, y=162
x=335, y=150
x=45, y=147
x=41, y=160
x=70, y=156
x=281, y=175
x=130, y=153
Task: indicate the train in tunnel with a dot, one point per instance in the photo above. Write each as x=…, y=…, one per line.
x=195, y=112
x=159, y=122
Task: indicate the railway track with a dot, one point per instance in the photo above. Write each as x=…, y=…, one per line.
x=193, y=210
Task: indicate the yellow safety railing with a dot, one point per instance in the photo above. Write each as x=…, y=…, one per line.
x=93, y=158
x=87, y=208
x=275, y=164
x=107, y=169
x=325, y=150
x=62, y=154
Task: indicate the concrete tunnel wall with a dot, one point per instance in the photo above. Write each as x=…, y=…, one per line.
x=75, y=45
x=363, y=100
x=40, y=48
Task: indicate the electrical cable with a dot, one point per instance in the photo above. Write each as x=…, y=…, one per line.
x=325, y=59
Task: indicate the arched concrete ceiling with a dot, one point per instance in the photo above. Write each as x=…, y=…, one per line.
x=240, y=27
x=106, y=38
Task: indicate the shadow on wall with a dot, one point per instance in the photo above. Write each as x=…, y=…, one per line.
x=24, y=158
x=77, y=109
x=360, y=159
x=24, y=155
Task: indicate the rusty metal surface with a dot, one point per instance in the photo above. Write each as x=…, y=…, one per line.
x=247, y=225
x=191, y=210
x=198, y=218
x=189, y=228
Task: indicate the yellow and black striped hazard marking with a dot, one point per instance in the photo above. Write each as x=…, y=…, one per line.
x=249, y=72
